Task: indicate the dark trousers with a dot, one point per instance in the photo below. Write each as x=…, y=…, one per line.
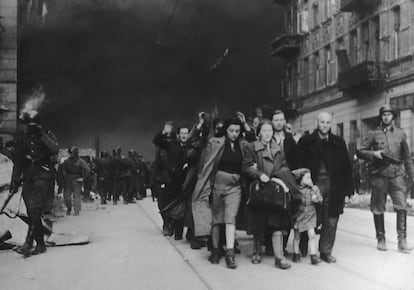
x=36, y=196
x=104, y=188
x=116, y=188
x=328, y=231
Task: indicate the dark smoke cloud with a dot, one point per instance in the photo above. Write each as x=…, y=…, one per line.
x=121, y=68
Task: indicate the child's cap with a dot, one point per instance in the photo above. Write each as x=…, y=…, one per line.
x=299, y=173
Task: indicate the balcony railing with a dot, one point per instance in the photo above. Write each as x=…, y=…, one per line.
x=286, y=45
x=358, y=5
x=368, y=75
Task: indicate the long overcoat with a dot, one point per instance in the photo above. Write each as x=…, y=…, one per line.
x=210, y=160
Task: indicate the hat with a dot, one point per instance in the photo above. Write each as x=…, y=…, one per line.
x=299, y=173
x=386, y=108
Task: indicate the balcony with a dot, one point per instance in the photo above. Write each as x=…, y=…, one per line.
x=366, y=75
x=286, y=46
x=358, y=5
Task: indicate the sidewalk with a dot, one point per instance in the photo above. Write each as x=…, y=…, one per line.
x=128, y=251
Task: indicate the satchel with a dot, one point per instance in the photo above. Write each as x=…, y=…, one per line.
x=268, y=195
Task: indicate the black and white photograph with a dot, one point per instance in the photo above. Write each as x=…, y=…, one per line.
x=206, y=144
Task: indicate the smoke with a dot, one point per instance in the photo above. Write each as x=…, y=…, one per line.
x=121, y=68
x=33, y=101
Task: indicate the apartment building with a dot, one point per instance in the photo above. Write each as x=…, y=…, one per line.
x=348, y=57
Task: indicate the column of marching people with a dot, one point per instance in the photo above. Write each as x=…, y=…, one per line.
x=224, y=175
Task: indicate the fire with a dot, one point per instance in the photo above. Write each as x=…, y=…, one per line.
x=33, y=101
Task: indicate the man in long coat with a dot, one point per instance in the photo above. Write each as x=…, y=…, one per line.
x=326, y=155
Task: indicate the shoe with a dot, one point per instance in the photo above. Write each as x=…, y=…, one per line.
x=296, y=258
x=215, y=257
x=125, y=202
x=402, y=232
x=380, y=231
x=76, y=213
x=39, y=249
x=195, y=244
x=165, y=229
x=115, y=202
x=328, y=258
x=230, y=259
x=315, y=259
x=132, y=201
x=178, y=238
x=269, y=251
x=256, y=258
x=103, y=201
x=381, y=245
x=188, y=235
x=68, y=212
x=282, y=264
x=25, y=250
x=5, y=236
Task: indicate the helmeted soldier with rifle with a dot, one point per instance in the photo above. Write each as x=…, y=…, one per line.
x=387, y=151
x=33, y=169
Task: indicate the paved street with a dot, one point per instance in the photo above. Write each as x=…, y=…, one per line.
x=128, y=252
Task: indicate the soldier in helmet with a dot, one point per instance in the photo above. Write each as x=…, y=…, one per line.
x=116, y=172
x=103, y=171
x=387, y=151
x=33, y=168
x=74, y=170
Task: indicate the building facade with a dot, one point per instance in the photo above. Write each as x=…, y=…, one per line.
x=8, y=65
x=348, y=57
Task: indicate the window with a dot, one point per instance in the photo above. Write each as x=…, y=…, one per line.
x=315, y=10
x=328, y=63
x=316, y=69
x=340, y=130
x=365, y=41
x=353, y=47
x=396, y=35
x=306, y=75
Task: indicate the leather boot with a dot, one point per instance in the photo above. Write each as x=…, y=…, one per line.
x=40, y=242
x=257, y=250
x=402, y=232
x=380, y=232
x=230, y=259
x=26, y=248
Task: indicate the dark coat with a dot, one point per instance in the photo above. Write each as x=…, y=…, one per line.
x=257, y=161
x=338, y=165
x=289, y=148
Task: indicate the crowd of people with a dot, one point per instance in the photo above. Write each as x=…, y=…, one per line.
x=220, y=176
x=113, y=175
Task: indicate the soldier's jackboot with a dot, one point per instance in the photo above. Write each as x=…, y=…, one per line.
x=380, y=232
x=40, y=242
x=402, y=232
x=26, y=248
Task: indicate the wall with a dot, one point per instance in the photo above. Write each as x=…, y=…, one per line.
x=8, y=63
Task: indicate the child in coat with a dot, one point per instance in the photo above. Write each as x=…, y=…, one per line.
x=306, y=216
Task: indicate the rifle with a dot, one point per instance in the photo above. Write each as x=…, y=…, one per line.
x=390, y=160
x=380, y=164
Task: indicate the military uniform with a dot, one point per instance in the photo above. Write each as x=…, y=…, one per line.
x=74, y=170
x=33, y=166
x=387, y=175
x=103, y=169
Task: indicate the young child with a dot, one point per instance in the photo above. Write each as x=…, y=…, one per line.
x=306, y=216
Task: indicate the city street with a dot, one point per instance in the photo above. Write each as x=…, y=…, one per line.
x=127, y=251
